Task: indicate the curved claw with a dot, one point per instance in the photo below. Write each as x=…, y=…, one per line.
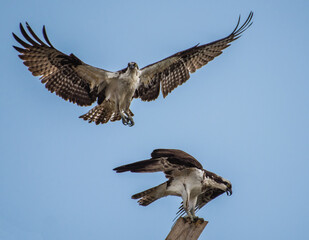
x=125, y=121
x=193, y=219
x=130, y=122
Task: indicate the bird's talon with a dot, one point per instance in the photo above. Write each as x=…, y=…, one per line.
x=124, y=121
x=131, y=123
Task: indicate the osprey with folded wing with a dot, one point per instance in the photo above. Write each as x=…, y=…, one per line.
x=80, y=83
x=186, y=179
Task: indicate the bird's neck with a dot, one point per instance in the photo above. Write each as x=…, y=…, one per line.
x=132, y=72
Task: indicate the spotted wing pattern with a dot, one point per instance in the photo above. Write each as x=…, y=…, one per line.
x=174, y=70
x=57, y=70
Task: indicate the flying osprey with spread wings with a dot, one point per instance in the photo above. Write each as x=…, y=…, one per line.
x=186, y=179
x=80, y=83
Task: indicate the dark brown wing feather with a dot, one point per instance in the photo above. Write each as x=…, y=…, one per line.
x=169, y=161
x=57, y=70
x=174, y=70
x=207, y=196
x=177, y=157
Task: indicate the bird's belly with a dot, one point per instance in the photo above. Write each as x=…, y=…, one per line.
x=176, y=188
x=191, y=182
x=196, y=190
x=194, y=182
x=120, y=90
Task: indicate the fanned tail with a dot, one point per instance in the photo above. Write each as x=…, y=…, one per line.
x=102, y=113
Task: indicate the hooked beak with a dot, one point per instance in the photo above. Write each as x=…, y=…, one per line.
x=131, y=66
x=229, y=191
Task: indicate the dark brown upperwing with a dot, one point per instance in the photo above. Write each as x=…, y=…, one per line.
x=57, y=70
x=169, y=161
x=150, y=165
x=177, y=157
x=174, y=70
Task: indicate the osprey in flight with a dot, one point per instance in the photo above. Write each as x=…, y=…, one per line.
x=73, y=80
x=186, y=179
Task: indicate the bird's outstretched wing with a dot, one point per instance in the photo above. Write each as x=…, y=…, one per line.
x=66, y=75
x=175, y=70
x=169, y=161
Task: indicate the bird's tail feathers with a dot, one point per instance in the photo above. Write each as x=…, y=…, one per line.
x=102, y=113
x=150, y=165
x=148, y=196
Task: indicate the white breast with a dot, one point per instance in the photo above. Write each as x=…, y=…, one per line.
x=123, y=87
x=189, y=181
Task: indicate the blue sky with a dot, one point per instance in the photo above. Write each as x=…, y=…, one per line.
x=244, y=116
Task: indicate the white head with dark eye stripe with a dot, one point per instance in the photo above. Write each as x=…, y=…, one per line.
x=132, y=65
x=218, y=182
x=228, y=185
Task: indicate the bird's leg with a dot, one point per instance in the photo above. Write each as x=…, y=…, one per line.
x=127, y=112
x=124, y=118
x=190, y=216
x=189, y=203
x=186, y=204
x=191, y=207
x=194, y=218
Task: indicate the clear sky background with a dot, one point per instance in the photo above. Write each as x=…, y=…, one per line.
x=244, y=116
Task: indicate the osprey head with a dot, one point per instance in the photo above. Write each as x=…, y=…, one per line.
x=228, y=187
x=219, y=182
x=224, y=185
x=132, y=65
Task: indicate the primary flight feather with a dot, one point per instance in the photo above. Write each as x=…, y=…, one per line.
x=80, y=83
